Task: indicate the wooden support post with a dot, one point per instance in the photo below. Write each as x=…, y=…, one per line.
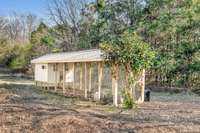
x=143, y=85
x=64, y=78
x=90, y=78
x=115, y=84
x=42, y=85
x=81, y=77
x=48, y=87
x=73, y=69
x=56, y=77
x=132, y=88
x=85, y=64
x=100, y=73
x=113, y=88
x=36, y=84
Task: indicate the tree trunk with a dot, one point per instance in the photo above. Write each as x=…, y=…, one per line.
x=129, y=77
x=115, y=78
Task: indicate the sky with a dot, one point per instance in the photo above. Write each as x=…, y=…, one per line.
x=36, y=7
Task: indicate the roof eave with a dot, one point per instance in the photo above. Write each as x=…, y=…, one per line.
x=64, y=61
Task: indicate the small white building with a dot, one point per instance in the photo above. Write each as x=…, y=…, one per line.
x=58, y=69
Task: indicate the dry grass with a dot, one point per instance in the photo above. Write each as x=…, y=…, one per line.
x=25, y=109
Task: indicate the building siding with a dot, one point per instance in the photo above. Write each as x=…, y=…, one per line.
x=41, y=72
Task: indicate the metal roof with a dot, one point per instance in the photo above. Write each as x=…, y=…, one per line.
x=75, y=56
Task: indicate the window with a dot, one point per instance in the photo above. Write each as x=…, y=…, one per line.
x=43, y=67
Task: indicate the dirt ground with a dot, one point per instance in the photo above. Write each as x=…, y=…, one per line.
x=26, y=109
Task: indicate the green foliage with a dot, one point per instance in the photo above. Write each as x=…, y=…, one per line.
x=128, y=100
x=172, y=28
x=84, y=42
x=129, y=48
x=19, y=57
x=40, y=33
x=130, y=51
x=5, y=51
x=100, y=4
x=42, y=41
x=48, y=40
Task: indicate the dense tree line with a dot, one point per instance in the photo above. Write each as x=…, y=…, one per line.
x=170, y=27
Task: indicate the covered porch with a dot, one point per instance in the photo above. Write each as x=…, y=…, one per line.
x=83, y=74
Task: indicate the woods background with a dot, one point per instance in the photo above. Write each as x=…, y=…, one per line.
x=170, y=27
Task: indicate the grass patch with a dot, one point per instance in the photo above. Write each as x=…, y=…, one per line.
x=55, y=98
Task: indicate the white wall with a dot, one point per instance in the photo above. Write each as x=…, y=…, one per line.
x=50, y=75
x=70, y=73
x=40, y=73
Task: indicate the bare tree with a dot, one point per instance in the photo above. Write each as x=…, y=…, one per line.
x=18, y=27
x=30, y=24
x=68, y=14
x=3, y=23
x=13, y=27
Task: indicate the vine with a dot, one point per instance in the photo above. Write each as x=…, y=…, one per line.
x=131, y=52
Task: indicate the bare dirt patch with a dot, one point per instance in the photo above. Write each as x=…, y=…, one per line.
x=24, y=108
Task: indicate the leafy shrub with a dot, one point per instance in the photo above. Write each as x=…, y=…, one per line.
x=19, y=57
x=128, y=100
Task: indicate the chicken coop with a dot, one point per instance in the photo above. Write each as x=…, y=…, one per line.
x=82, y=74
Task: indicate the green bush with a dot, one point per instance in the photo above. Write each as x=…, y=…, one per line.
x=19, y=57
x=128, y=100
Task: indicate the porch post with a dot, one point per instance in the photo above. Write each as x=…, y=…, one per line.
x=81, y=76
x=36, y=83
x=64, y=78
x=73, y=67
x=90, y=77
x=143, y=85
x=100, y=72
x=115, y=84
x=85, y=64
x=48, y=86
x=56, y=75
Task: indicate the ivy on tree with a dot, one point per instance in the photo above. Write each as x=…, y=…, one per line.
x=131, y=52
